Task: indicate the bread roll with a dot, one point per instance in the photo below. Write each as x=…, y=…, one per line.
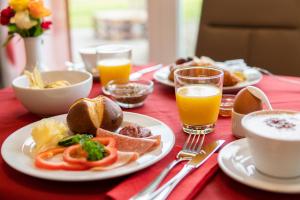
x=86, y=115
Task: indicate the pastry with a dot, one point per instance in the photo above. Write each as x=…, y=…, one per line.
x=230, y=79
x=181, y=62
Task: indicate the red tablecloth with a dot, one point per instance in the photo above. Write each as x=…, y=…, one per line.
x=161, y=105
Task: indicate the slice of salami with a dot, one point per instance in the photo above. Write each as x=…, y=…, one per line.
x=130, y=144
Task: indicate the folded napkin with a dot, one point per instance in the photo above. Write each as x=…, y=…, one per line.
x=186, y=189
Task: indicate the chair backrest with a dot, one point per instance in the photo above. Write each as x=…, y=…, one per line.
x=266, y=33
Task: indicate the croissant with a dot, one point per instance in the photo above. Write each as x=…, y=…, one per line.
x=230, y=79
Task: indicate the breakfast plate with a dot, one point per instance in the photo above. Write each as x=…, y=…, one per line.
x=254, y=77
x=15, y=152
x=236, y=161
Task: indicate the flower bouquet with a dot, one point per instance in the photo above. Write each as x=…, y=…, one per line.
x=27, y=19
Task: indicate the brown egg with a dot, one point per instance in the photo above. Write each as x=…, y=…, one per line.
x=245, y=102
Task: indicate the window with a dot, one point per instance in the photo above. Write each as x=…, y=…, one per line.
x=158, y=31
x=99, y=22
x=191, y=13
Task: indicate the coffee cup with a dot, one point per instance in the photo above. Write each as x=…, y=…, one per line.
x=274, y=141
x=89, y=58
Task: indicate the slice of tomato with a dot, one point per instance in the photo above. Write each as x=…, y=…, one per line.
x=75, y=155
x=42, y=162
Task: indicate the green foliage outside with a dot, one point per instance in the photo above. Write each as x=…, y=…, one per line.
x=82, y=11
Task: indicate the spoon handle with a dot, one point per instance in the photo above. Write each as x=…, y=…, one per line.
x=150, y=69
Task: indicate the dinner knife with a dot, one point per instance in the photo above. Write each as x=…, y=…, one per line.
x=208, y=150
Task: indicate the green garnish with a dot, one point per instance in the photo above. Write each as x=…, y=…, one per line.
x=74, y=139
x=94, y=150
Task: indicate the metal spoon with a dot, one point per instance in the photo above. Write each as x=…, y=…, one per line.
x=136, y=75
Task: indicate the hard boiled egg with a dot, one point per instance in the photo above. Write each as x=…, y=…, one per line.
x=245, y=102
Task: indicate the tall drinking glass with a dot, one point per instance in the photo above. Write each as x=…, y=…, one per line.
x=198, y=97
x=113, y=63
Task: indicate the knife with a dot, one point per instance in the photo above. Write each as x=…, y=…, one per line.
x=208, y=150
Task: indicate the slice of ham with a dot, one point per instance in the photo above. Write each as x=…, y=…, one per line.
x=131, y=144
x=155, y=137
x=123, y=159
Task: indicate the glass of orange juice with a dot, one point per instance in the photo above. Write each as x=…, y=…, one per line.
x=198, y=97
x=113, y=63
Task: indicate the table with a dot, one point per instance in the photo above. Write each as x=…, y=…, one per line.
x=161, y=105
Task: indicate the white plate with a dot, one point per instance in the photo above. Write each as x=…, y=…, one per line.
x=236, y=161
x=161, y=76
x=14, y=153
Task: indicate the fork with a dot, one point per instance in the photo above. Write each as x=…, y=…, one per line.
x=191, y=147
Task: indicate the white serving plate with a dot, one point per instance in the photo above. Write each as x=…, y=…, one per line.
x=15, y=152
x=161, y=76
x=236, y=161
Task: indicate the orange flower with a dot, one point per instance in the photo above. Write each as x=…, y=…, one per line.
x=37, y=9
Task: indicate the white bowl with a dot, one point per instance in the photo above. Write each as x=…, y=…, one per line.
x=274, y=156
x=55, y=100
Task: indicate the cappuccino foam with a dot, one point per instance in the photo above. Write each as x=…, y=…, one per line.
x=279, y=125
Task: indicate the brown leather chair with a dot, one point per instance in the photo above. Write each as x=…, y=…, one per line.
x=266, y=33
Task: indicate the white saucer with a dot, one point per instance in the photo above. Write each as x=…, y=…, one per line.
x=236, y=161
